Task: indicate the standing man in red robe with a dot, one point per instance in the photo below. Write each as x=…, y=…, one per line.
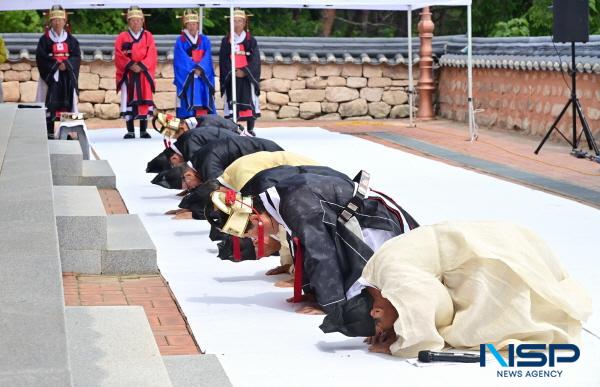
x=135, y=60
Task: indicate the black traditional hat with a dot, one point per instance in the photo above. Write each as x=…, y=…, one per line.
x=171, y=179
x=161, y=162
x=198, y=198
x=352, y=318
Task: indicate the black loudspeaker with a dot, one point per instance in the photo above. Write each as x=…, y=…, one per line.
x=571, y=21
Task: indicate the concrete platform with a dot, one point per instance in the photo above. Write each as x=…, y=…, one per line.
x=113, y=346
x=97, y=173
x=80, y=218
x=129, y=249
x=196, y=371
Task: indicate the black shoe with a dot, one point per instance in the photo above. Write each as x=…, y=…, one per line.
x=251, y=131
x=143, y=127
x=130, y=130
x=50, y=136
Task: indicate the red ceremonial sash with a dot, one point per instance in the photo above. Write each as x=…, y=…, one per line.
x=240, y=57
x=197, y=55
x=60, y=51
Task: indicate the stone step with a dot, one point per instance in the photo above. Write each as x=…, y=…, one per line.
x=129, y=249
x=196, y=371
x=98, y=173
x=113, y=346
x=69, y=168
x=81, y=261
x=66, y=160
x=81, y=226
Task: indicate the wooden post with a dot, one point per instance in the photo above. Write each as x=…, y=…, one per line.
x=425, y=84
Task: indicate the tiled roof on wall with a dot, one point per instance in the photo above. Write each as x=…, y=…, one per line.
x=390, y=51
x=528, y=53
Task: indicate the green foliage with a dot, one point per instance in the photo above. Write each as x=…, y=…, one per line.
x=91, y=21
x=540, y=18
x=267, y=22
x=486, y=14
x=513, y=27
x=21, y=21
x=594, y=17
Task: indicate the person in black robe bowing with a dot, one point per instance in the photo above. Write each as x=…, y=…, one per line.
x=247, y=72
x=58, y=58
x=333, y=225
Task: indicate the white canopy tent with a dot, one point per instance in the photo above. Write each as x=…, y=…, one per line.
x=392, y=5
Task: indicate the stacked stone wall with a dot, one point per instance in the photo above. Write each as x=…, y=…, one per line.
x=523, y=101
x=288, y=91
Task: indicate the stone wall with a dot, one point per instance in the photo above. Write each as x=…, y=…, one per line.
x=294, y=91
x=523, y=101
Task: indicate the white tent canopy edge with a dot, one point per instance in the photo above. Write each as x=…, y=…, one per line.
x=392, y=5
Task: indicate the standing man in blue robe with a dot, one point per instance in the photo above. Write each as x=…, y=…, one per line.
x=194, y=72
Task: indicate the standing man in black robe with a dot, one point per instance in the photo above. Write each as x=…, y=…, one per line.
x=58, y=58
x=247, y=72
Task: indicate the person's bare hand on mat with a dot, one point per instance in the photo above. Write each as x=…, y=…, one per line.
x=289, y=283
x=278, y=270
x=310, y=309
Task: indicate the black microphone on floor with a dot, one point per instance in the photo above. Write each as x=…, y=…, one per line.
x=455, y=357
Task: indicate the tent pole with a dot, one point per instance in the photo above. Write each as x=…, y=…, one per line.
x=411, y=123
x=472, y=130
x=233, y=88
x=201, y=17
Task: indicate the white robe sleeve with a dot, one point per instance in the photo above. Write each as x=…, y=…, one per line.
x=423, y=305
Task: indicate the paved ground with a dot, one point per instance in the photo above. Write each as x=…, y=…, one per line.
x=171, y=331
x=508, y=155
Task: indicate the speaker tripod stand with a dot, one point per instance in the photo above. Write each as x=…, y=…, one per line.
x=577, y=112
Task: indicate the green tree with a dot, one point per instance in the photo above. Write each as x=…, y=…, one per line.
x=513, y=27
x=540, y=18
x=92, y=21
x=485, y=15
x=21, y=21
x=594, y=17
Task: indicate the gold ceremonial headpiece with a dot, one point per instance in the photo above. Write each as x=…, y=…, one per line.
x=240, y=13
x=57, y=12
x=135, y=12
x=168, y=125
x=190, y=16
x=238, y=208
